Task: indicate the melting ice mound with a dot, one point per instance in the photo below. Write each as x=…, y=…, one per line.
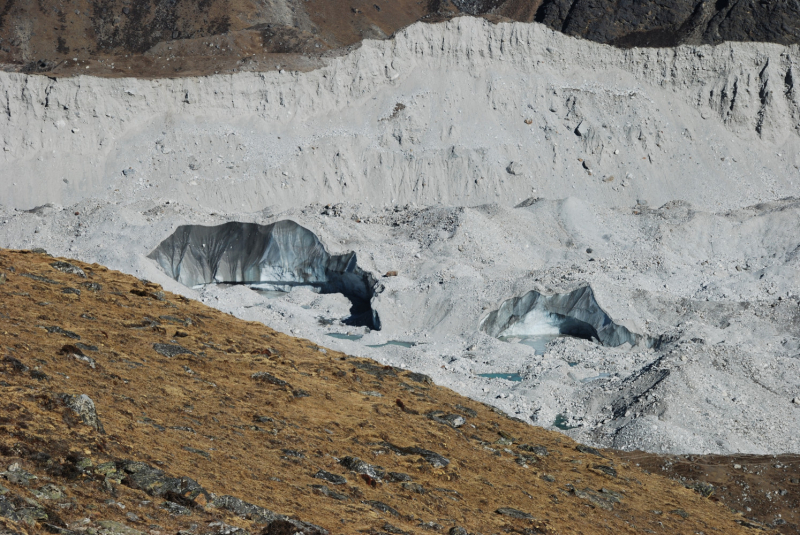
x=574, y=314
x=270, y=257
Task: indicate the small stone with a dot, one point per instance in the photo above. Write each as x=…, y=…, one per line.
x=171, y=350
x=84, y=407
x=330, y=478
x=266, y=377
x=66, y=267
x=796, y=401
x=541, y=451
x=55, y=329
x=457, y=530
x=514, y=168
x=382, y=507
x=325, y=491
x=129, y=171
x=587, y=449
x=176, y=509
x=413, y=487
x=390, y=274
x=587, y=164
x=360, y=467
x=398, y=477
x=605, y=469
x=513, y=513
x=583, y=129
x=109, y=527
x=286, y=526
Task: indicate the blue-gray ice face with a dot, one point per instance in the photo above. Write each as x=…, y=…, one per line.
x=272, y=257
x=535, y=315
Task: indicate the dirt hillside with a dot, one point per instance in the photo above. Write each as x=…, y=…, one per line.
x=127, y=409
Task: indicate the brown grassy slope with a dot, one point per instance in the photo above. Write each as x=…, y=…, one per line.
x=202, y=415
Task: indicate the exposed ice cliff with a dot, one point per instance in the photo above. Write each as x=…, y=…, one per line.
x=279, y=256
x=574, y=313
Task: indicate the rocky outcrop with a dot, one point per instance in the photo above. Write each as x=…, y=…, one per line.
x=659, y=24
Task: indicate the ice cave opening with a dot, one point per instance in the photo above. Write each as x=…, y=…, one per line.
x=535, y=319
x=268, y=258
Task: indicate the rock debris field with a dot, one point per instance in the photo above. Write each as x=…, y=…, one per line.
x=600, y=241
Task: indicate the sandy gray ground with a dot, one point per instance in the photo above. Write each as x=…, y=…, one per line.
x=424, y=145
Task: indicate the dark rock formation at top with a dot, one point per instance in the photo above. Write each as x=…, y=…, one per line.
x=629, y=23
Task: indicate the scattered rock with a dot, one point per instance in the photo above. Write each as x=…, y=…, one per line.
x=605, y=499
x=75, y=352
x=176, y=509
x=397, y=477
x=457, y=530
x=39, y=278
x=156, y=482
x=83, y=406
x=74, y=291
x=18, y=477
x=129, y=171
x=109, y=527
x=325, y=491
x=289, y=526
x=704, y=489
x=245, y=510
x=605, y=469
x=382, y=507
x=541, y=451
x=378, y=371
x=66, y=267
x=514, y=168
x=55, y=329
x=360, y=467
x=436, y=460
x=171, y=350
x=513, y=513
x=453, y=420
x=419, y=378
x=413, y=487
x=583, y=130
x=467, y=411
x=330, y=478
x=530, y=201
x=48, y=492
x=266, y=377
x=588, y=449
